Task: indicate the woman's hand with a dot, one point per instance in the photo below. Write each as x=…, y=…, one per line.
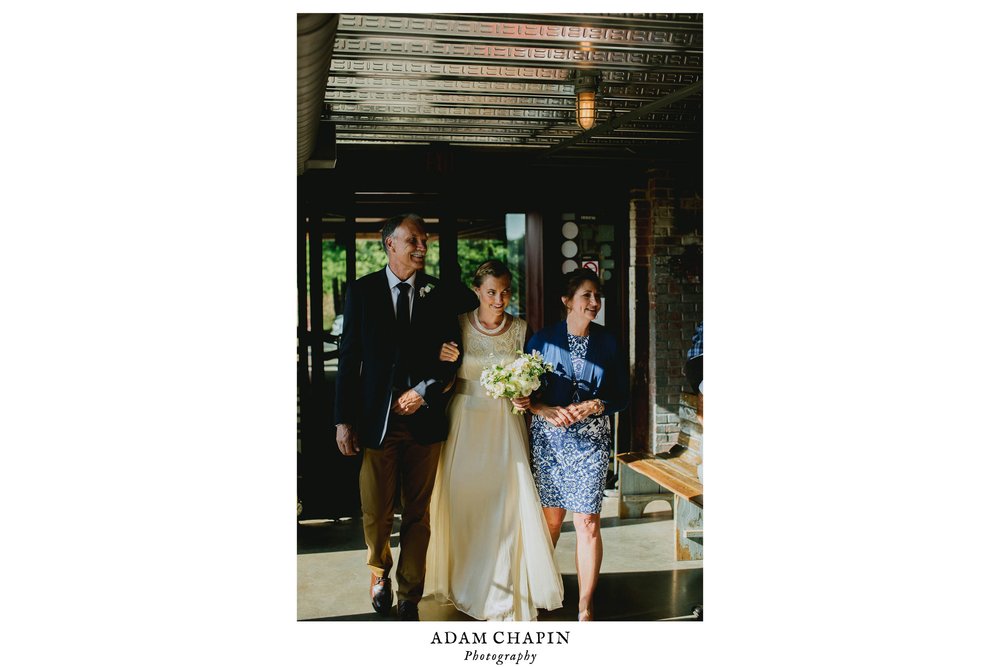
x=584, y=409
x=522, y=402
x=555, y=415
x=449, y=352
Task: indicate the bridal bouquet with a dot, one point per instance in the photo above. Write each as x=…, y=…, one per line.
x=518, y=378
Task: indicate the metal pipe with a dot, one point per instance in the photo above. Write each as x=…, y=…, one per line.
x=317, y=34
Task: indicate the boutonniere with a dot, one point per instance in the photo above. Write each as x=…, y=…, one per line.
x=425, y=290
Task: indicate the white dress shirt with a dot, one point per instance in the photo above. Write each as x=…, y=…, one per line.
x=394, y=291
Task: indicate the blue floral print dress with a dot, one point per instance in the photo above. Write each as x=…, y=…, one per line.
x=570, y=464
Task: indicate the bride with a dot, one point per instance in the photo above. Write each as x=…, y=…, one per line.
x=490, y=553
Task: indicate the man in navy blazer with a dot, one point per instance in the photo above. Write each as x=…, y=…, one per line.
x=390, y=404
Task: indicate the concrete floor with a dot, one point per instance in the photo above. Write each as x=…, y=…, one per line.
x=640, y=580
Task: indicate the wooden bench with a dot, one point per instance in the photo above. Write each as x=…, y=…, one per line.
x=671, y=476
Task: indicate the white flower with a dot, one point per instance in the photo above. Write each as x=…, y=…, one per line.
x=517, y=379
x=425, y=290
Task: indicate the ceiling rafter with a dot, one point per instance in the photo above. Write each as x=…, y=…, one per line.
x=507, y=80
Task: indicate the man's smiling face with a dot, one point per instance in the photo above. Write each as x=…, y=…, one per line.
x=407, y=248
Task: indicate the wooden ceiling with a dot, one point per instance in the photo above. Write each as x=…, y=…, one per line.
x=507, y=81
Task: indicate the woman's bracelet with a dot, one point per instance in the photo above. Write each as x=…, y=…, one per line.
x=600, y=408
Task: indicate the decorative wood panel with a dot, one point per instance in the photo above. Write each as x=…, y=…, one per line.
x=507, y=80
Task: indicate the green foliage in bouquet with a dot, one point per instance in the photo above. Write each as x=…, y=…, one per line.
x=517, y=379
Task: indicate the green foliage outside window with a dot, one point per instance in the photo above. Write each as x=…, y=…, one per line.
x=370, y=257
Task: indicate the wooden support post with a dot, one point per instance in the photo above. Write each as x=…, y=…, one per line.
x=688, y=530
x=533, y=256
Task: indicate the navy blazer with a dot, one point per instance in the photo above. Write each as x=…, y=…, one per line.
x=604, y=375
x=370, y=350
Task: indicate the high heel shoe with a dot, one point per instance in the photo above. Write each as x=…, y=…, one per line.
x=585, y=616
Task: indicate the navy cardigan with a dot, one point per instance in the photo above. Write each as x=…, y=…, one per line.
x=604, y=375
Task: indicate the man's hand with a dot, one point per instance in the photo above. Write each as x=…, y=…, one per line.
x=347, y=441
x=449, y=352
x=408, y=403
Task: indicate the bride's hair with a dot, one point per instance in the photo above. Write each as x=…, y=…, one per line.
x=491, y=267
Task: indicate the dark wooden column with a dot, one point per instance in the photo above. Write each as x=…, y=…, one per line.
x=448, y=245
x=640, y=238
x=623, y=313
x=303, y=305
x=316, y=300
x=533, y=270
x=351, y=248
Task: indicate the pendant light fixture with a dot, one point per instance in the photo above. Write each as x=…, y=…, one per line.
x=585, y=88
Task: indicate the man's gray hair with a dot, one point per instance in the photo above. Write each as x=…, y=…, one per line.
x=389, y=228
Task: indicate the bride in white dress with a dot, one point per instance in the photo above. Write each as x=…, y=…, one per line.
x=490, y=552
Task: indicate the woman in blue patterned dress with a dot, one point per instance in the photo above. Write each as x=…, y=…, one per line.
x=570, y=430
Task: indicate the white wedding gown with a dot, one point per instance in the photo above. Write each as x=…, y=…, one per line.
x=490, y=553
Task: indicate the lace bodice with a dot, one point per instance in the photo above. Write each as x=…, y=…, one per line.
x=477, y=347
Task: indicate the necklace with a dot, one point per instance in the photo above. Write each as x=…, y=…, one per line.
x=478, y=325
x=487, y=329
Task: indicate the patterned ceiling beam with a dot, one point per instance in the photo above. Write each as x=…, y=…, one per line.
x=353, y=137
x=431, y=102
x=447, y=85
x=445, y=99
x=399, y=69
x=618, y=121
x=647, y=21
x=375, y=120
x=608, y=91
x=364, y=48
x=396, y=70
x=496, y=30
x=472, y=112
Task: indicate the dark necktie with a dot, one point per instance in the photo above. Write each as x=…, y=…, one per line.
x=403, y=307
x=401, y=376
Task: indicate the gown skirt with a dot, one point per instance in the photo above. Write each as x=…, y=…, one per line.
x=490, y=553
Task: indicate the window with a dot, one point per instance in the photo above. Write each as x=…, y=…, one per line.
x=480, y=239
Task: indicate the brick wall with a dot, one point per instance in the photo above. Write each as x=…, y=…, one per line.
x=666, y=243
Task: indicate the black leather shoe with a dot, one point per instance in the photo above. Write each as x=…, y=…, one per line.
x=407, y=611
x=381, y=592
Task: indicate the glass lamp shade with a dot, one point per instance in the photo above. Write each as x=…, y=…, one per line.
x=586, y=109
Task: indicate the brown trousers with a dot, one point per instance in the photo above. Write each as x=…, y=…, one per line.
x=413, y=467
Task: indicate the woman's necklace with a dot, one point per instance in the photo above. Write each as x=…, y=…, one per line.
x=486, y=328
